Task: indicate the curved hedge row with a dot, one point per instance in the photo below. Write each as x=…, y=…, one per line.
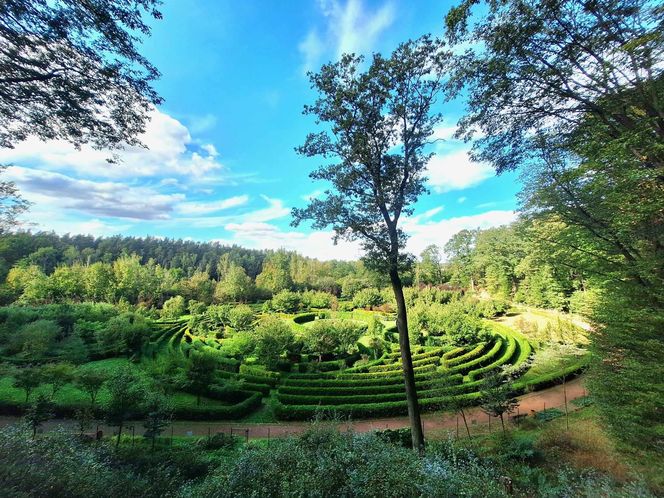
x=478, y=361
x=396, y=366
x=470, y=355
x=365, y=389
x=503, y=359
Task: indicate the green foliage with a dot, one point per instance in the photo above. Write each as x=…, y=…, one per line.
x=174, y=308
x=234, y=286
x=323, y=460
x=368, y=298
x=91, y=381
x=124, y=334
x=40, y=411
x=126, y=393
x=200, y=373
x=275, y=276
x=273, y=337
x=35, y=340
x=28, y=379
x=57, y=374
x=497, y=396
x=241, y=317
x=67, y=466
x=333, y=336
x=286, y=301
x=158, y=415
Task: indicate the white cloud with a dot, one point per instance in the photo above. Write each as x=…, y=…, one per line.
x=169, y=151
x=315, y=244
x=443, y=132
x=275, y=210
x=462, y=199
x=200, y=124
x=350, y=28
x=112, y=199
x=439, y=232
x=311, y=49
x=421, y=229
x=455, y=171
x=212, y=206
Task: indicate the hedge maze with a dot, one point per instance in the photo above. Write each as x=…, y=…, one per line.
x=371, y=388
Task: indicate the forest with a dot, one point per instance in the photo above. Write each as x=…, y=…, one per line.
x=517, y=360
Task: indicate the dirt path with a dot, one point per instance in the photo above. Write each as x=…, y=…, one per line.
x=433, y=422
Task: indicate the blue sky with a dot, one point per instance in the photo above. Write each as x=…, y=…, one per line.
x=221, y=163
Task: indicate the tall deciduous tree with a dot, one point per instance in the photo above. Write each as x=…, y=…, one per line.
x=429, y=269
x=126, y=392
x=71, y=70
x=536, y=66
x=573, y=91
x=380, y=121
x=11, y=204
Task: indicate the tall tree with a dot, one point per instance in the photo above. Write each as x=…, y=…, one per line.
x=39, y=412
x=428, y=270
x=11, y=204
x=573, y=91
x=71, y=70
x=158, y=415
x=126, y=392
x=541, y=66
x=380, y=122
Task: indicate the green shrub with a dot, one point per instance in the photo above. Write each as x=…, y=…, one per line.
x=286, y=301
x=368, y=298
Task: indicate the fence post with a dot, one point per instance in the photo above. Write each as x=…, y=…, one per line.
x=489, y=423
x=209, y=435
x=268, y=437
x=246, y=435
x=457, y=427
x=171, y=435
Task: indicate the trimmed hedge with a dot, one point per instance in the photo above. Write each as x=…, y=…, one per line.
x=362, y=389
x=553, y=378
x=470, y=355
x=503, y=359
x=236, y=411
x=303, y=318
x=192, y=412
x=429, y=360
x=258, y=372
x=388, y=373
x=318, y=399
x=480, y=360
x=453, y=353
x=352, y=381
x=368, y=410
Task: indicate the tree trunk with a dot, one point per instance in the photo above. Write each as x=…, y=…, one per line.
x=407, y=364
x=465, y=422
x=117, y=441
x=502, y=422
x=566, y=411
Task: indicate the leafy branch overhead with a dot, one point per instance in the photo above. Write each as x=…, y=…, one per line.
x=379, y=122
x=71, y=70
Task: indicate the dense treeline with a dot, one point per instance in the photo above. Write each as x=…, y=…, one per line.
x=47, y=268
